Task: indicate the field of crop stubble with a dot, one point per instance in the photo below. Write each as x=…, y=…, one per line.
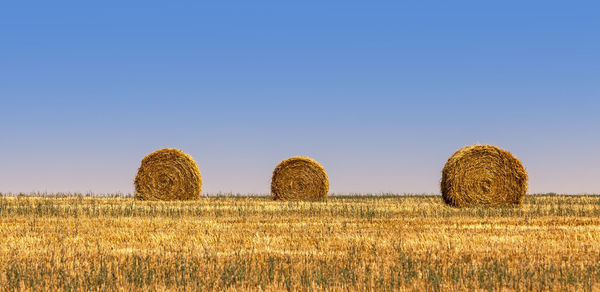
x=386, y=243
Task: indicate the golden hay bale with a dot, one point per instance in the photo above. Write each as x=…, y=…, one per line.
x=483, y=175
x=168, y=174
x=299, y=178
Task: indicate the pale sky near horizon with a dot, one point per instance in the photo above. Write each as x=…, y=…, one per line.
x=381, y=94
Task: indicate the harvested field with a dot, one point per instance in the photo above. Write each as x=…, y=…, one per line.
x=386, y=243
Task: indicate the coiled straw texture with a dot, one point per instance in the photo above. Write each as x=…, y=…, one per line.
x=168, y=174
x=299, y=178
x=483, y=175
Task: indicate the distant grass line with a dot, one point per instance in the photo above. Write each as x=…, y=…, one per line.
x=252, y=195
x=66, y=195
x=224, y=207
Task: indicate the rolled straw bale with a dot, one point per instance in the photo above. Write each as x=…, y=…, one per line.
x=483, y=175
x=299, y=178
x=168, y=174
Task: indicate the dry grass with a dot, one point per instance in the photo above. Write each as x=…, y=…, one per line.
x=299, y=178
x=241, y=243
x=168, y=174
x=483, y=175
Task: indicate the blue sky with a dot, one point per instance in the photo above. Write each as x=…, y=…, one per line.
x=380, y=93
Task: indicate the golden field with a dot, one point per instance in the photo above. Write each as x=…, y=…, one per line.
x=410, y=243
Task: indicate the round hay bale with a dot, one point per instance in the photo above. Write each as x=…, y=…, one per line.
x=483, y=175
x=168, y=174
x=299, y=178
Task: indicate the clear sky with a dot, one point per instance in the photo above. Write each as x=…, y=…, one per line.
x=381, y=93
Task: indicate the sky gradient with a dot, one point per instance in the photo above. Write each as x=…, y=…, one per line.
x=381, y=94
